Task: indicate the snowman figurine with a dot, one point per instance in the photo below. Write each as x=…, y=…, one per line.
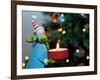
x=39, y=56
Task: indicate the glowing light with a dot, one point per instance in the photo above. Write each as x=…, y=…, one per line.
x=63, y=32
x=26, y=57
x=57, y=46
x=87, y=57
x=84, y=30
x=62, y=20
x=62, y=15
x=23, y=64
x=77, y=50
x=67, y=60
x=54, y=20
x=60, y=29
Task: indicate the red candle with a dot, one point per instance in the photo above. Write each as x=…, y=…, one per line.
x=58, y=54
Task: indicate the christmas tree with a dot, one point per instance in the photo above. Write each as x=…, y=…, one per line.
x=72, y=29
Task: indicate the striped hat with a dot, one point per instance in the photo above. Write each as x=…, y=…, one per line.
x=36, y=26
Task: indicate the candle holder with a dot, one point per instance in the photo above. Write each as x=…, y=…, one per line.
x=58, y=54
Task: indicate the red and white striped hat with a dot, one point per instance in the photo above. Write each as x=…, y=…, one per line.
x=36, y=26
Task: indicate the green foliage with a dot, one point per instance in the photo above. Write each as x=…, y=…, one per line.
x=73, y=25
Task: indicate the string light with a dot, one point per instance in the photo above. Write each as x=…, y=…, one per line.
x=84, y=30
x=67, y=60
x=77, y=50
x=60, y=30
x=87, y=57
x=26, y=57
x=54, y=20
x=62, y=19
x=62, y=15
x=23, y=64
x=64, y=32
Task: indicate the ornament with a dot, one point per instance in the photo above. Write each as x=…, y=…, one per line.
x=60, y=30
x=55, y=17
x=84, y=30
x=64, y=32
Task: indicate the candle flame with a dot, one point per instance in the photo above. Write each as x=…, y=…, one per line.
x=57, y=45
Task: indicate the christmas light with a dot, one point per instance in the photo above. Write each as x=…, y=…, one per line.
x=62, y=19
x=84, y=30
x=62, y=15
x=23, y=64
x=67, y=60
x=54, y=20
x=63, y=32
x=26, y=57
x=87, y=57
x=60, y=29
x=77, y=50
